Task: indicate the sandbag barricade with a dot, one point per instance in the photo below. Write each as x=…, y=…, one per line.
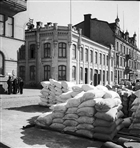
x=84, y=114
x=134, y=128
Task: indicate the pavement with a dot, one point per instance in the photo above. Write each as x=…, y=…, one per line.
x=26, y=93
x=19, y=111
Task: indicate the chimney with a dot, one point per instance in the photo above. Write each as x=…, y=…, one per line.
x=87, y=18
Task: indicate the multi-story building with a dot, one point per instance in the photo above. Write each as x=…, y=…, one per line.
x=64, y=54
x=13, y=20
x=126, y=53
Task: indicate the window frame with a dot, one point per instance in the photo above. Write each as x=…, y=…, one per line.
x=73, y=72
x=3, y=63
x=34, y=72
x=32, y=51
x=62, y=50
x=73, y=51
x=47, y=50
x=47, y=72
x=22, y=72
x=62, y=70
x=2, y=22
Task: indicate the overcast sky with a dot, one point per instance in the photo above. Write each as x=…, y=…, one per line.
x=65, y=12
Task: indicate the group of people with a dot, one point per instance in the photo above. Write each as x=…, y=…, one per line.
x=15, y=85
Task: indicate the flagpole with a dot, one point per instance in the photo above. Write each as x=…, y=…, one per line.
x=70, y=11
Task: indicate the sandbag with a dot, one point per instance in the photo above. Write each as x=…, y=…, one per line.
x=57, y=126
x=88, y=103
x=104, y=105
x=70, y=129
x=85, y=126
x=57, y=114
x=66, y=95
x=86, y=119
x=92, y=94
x=86, y=111
x=61, y=107
x=70, y=116
x=58, y=120
x=45, y=83
x=74, y=93
x=67, y=85
x=77, y=88
x=137, y=93
x=71, y=110
x=87, y=87
x=111, y=94
x=75, y=101
x=101, y=87
x=85, y=133
x=44, y=119
x=70, y=123
x=110, y=115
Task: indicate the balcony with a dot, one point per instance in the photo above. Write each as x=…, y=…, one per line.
x=13, y=6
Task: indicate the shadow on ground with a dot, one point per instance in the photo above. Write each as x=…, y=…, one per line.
x=30, y=108
x=35, y=136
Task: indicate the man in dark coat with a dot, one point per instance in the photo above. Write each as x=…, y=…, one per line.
x=9, y=82
x=21, y=83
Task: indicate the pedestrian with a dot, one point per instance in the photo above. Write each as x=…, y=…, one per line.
x=15, y=86
x=18, y=90
x=21, y=84
x=9, y=82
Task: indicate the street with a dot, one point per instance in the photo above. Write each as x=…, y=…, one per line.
x=21, y=110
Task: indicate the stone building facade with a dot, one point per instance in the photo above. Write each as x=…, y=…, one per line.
x=64, y=54
x=126, y=52
x=12, y=36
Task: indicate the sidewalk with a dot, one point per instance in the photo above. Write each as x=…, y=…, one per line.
x=26, y=93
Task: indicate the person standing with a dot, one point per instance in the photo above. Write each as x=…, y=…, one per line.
x=9, y=82
x=21, y=83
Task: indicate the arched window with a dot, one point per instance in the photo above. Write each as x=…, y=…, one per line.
x=74, y=73
x=47, y=72
x=62, y=72
x=22, y=72
x=1, y=63
x=47, y=50
x=81, y=53
x=32, y=51
x=62, y=50
x=32, y=73
x=73, y=51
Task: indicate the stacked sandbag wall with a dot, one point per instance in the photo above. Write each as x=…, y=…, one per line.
x=81, y=115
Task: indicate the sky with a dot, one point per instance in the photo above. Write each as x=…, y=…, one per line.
x=64, y=12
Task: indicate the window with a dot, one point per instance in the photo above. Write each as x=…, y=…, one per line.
x=91, y=56
x=81, y=73
x=10, y=27
x=81, y=53
x=32, y=51
x=100, y=58
x=107, y=60
x=74, y=73
x=62, y=50
x=22, y=52
x=104, y=59
x=73, y=51
x=47, y=72
x=96, y=57
x=22, y=72
x=61, y=72
x=1, y=24
x=32, y=73
x=47, y=50
x=1, y=64
x=111, y=75
x=86, y=54
x=91, y=73
x=117, y=46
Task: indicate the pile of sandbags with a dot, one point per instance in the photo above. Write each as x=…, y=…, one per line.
x=108, y=117
x=53, y=89
x=93, y=113
x=134, y=128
